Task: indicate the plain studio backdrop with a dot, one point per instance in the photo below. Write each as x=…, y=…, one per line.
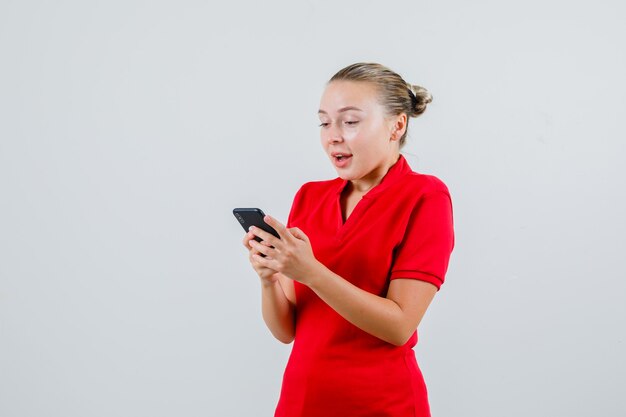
x=130, y=129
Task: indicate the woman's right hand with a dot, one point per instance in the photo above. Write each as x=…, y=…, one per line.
x=267, y=275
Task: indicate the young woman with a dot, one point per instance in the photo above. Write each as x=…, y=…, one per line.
x=360, y=259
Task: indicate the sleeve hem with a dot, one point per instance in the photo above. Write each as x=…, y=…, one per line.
x=422, y=276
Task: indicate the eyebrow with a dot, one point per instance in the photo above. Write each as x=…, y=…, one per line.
x=341, y=109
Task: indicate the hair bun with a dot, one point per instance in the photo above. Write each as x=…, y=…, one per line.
x=420, y=98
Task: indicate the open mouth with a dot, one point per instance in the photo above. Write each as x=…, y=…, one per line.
x=341, y=156
x=341, y=160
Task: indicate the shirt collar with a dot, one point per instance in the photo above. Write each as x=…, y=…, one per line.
x=396, y=172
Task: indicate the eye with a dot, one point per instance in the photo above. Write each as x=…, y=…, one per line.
x=350, y=122
x=323, y=124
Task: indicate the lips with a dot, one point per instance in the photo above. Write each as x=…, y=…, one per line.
x=340, y=155
x=341, y=159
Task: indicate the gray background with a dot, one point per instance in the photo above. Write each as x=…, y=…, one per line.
x=130, y=129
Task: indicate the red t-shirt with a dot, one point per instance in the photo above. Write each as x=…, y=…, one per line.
x=402, y=228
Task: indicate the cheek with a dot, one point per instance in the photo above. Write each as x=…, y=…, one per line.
x=360, y=138
x=323, y=139
x=351, y=135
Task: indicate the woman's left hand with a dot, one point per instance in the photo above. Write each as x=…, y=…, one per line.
x=291, y=255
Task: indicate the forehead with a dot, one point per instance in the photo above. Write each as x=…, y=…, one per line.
x=339, y=94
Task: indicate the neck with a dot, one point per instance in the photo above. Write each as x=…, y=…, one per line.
x=363, y=185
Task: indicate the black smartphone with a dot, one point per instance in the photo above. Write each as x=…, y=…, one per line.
x=253, y=217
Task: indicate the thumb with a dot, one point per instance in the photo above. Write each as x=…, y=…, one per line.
x=299, y=234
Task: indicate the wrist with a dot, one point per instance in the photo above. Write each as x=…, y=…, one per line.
x=319, y=273
x=268, y=283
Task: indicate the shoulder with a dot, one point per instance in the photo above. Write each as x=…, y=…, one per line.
x=423, y=184
x=312, y=197
x=322, y=185
x=313, y=193
x=317, y=189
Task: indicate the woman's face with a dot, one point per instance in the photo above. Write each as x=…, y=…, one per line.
x=355, y=132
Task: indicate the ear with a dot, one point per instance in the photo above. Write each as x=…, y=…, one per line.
x=398, y=126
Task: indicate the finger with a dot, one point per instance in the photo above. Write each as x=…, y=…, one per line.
x=252, y=252
x=278, y=226
x=299, y=234
x=265, y=243
x=265, y=236
x=261, y=247
x=253, y=260
x=250, y=241
x=246, y=239
x=263, y=262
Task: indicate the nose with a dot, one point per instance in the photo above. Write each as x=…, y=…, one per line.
x=334, y=134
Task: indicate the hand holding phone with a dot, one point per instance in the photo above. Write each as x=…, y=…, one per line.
x=253, y=217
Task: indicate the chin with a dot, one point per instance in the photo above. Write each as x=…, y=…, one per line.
x=345, y=174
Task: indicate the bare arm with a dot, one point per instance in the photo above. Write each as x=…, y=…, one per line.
x=278, y=311
x=392, y=319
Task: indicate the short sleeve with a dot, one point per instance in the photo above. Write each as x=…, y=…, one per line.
x=295, y=205
x=428, y=241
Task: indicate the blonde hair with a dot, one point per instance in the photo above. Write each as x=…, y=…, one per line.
x=395, y=94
